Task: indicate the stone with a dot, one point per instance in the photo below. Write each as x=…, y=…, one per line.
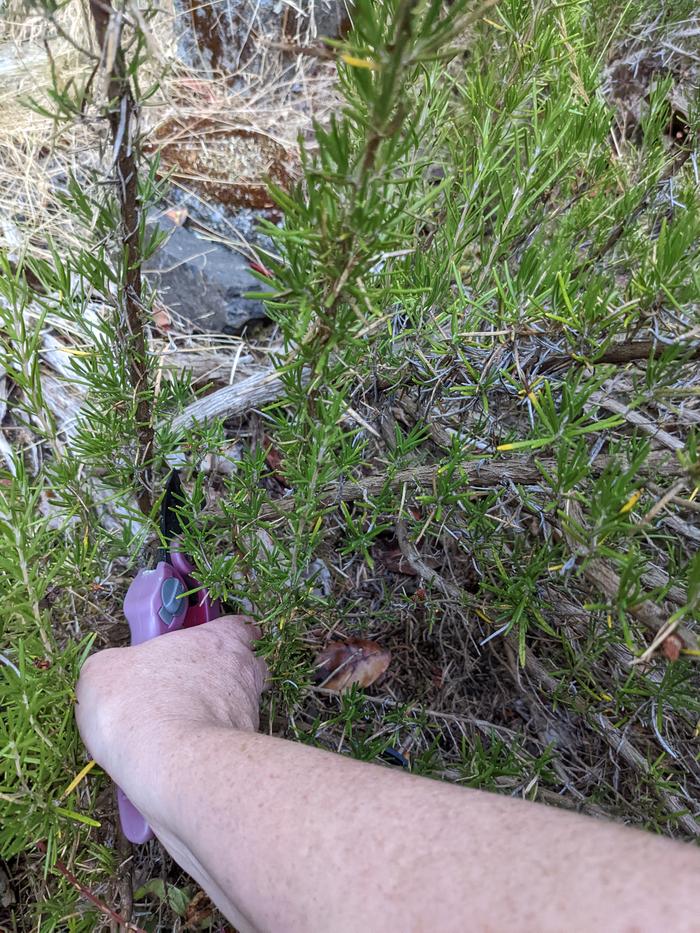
x=202, y=281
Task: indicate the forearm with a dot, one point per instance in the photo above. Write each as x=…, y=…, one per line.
x=304, y=840
x=286, y=837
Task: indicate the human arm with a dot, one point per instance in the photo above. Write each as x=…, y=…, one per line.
x=287, y=837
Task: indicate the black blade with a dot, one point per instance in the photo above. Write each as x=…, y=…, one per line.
x=170, y=524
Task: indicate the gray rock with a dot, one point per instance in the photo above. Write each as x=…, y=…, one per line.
x=203, y=281
x=230, y=222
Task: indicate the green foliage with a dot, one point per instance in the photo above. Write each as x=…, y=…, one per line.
x=37, y=734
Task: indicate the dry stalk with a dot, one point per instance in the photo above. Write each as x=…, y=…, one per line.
x=232, y=401
x=626, y=351
x=634, y=417
x=416, y=562
x=112, y=915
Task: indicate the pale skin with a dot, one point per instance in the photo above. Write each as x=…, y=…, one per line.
x=284, y=837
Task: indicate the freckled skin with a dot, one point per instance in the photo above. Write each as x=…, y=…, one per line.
x=285, y=837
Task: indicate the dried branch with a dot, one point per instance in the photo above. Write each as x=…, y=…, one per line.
x=620, y=744
x=419, y=566
x=232, y=400
x=625, y=352
x=479, y=473
x=688, y=504
x=642, y=350
x=607, y=581
x=638, y=420
x=124, y=880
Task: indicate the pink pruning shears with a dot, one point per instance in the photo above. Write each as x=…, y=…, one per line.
x=156, y=604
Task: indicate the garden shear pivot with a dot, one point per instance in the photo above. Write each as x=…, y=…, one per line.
x=161, y=600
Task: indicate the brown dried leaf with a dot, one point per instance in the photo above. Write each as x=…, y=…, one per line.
x=671, y=647
x=354, y=661
x=275, y=462
x=161, y=316
x=199, y=912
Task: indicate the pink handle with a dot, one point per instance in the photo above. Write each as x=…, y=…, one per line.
x=135, y=827
x=154, y=605
x=204, y=608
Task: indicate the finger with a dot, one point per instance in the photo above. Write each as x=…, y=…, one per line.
x=245, y=628
x=262, y=675
x=249, y=633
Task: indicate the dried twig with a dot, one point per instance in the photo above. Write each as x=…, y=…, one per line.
x=625, y=352
x=690, y=504
x=607, y=581
x=619, y=743
x=604, y=579
x=317, y=50
x=692, y=532
x=661, y=503
x=657, y=578
x=232, y=400
x=669, y=628
x=640, y=421
x=418, y=565
x=642, y=350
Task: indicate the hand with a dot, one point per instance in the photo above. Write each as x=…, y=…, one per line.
x=205, y=675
